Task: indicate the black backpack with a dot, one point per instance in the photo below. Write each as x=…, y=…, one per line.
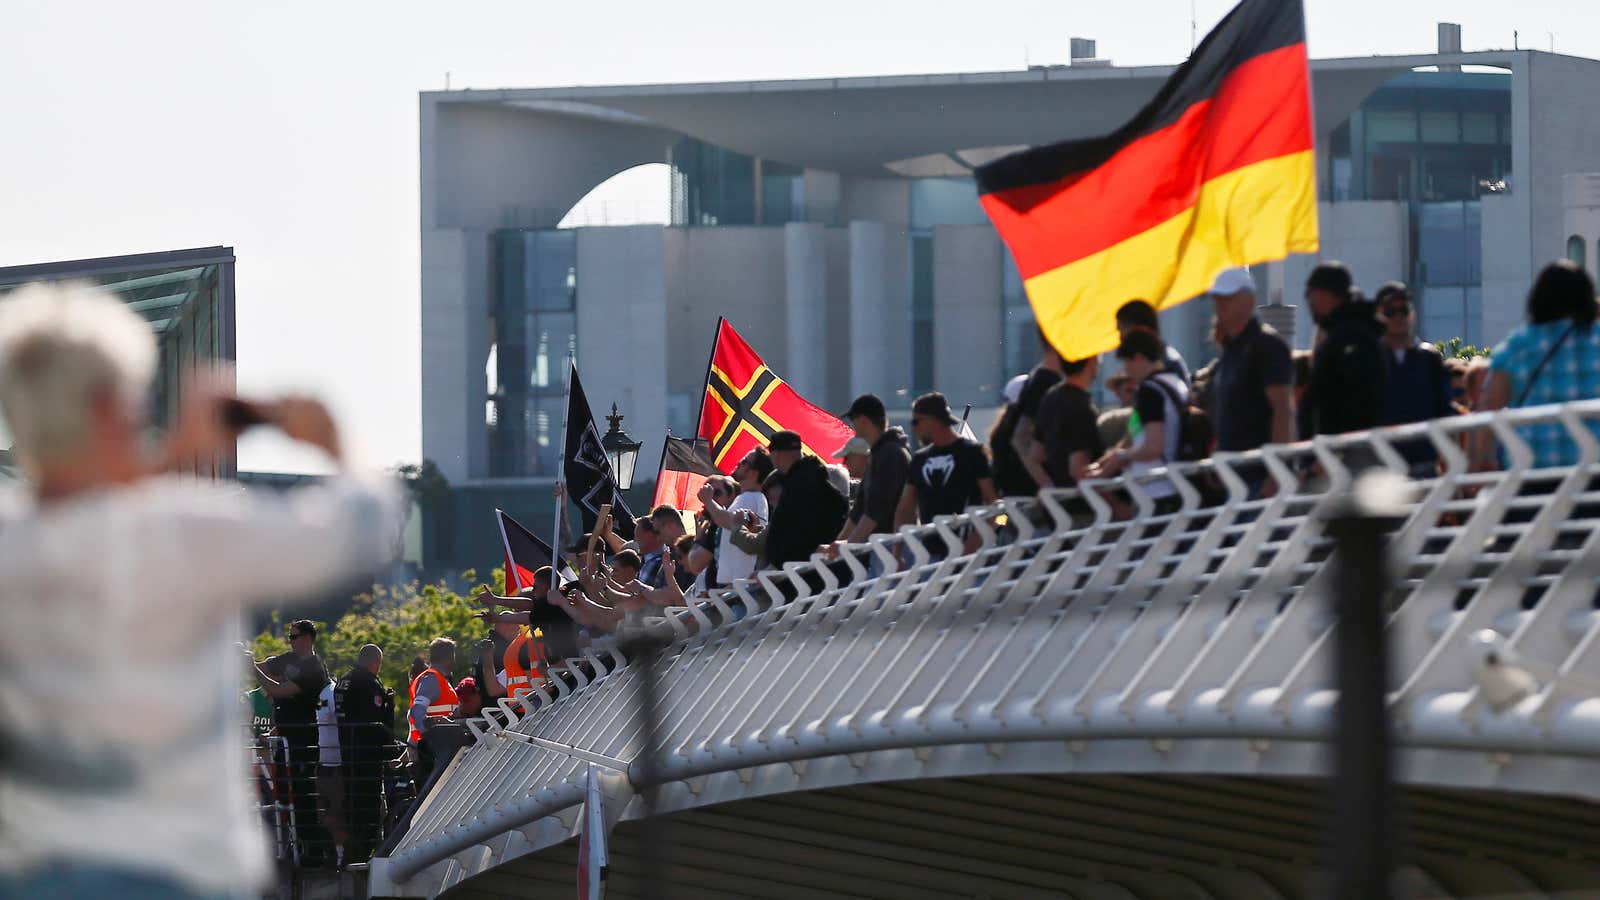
x=1194, y=428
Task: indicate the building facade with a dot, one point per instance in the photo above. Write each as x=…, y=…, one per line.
x=187, y=297
x=835, y=222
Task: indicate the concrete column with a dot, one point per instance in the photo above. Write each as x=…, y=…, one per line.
x=622, y=316
x=967, y=317
x=805, y=279
x=871, y=367
x=455, y=349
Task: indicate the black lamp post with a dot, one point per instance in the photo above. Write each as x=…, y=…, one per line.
x=621, y=450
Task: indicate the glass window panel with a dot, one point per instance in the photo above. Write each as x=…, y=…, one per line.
x=1440, y=126
x=1391, y=126
x=1479, y=128
x=945, y=201
x=1577, y=250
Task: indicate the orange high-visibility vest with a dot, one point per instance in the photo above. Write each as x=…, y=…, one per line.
x=518, y=678
x=445, y=705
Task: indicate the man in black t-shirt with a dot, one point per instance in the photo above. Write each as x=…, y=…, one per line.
x=949, y=473
x=294, y=680
x=1069, y=432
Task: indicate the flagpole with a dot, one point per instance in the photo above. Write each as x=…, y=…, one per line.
x=561, y=459
x=711, y=360
x=511, y=565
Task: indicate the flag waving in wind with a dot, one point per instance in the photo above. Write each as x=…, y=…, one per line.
x=685, y=466
x=526, y=554
x=746, y=403
x=586, y=470
x=1217, y=171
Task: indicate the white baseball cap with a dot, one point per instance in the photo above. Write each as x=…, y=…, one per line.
x=1232, y=281
x=1013, y=389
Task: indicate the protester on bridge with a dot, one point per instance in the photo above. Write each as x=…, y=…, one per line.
x=811, y=510
x=1139, y=315
x=1069, y=433
x=1113, y=422
x=365, y=714
x=1347, y=372
x=949, y=473
x=471, y=698
x=433, y=700
x=1045, y=375
x=1252, y=393
x=490, y=661
x=1554, y=357
x=1417, y=382
x=294, y=680
x=888, y=464
x=1011, y=478
x=1155, y=430
x=701, y=560
x=149, y=799
x=749, y=507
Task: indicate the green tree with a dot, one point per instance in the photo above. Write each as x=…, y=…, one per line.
x=402, y=620
x=1456, y=348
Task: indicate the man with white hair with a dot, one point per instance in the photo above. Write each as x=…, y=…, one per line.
x=157, y=805
x=1253, y=388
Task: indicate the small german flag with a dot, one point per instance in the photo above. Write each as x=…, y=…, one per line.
x=1217, y=171
x=685, y=466
x=746, y=403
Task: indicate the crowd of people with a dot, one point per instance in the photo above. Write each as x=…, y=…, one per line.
x=1367, y=368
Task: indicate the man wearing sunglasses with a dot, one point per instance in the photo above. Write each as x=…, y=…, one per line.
x=1416, y=382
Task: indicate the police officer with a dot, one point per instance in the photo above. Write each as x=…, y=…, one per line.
x=366, y=715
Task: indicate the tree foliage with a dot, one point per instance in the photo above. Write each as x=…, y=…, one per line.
x=402, y=620
x=1456, y=348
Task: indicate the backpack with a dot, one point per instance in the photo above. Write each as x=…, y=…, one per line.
x=1195, y=435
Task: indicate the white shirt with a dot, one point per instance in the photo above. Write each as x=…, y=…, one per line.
x=132, y=753
x=733, y=563
x=1160, y=488
x=327, y=728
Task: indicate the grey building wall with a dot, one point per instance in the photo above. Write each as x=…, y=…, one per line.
x=876, y=200
x=838, y=395
x=622, y=318
x=880, y=310
x=967, y=315
x=1372, y=237
x=1564, y=113
x=455, y=350
x=805, y=281
x=710, y=272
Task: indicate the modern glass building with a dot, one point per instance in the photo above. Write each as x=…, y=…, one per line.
x=186, y=296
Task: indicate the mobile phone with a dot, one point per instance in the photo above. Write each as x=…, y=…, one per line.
x=240, y=415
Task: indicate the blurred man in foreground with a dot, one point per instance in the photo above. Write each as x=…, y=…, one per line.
x=150, y=802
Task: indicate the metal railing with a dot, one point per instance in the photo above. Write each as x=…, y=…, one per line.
x=1203, y=624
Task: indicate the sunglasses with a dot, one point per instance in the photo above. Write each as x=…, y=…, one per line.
x=1393, y=312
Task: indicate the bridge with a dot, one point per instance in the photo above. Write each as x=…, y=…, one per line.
x=1084, y=706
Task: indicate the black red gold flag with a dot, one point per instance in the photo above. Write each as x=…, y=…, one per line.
x=746, y=403
x=526, y=554
x=1216, y=171
x=685, y=466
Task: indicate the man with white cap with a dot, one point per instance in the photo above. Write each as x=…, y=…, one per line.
x=1253, y=386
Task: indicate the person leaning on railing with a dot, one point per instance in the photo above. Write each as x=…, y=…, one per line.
x=1554, y=357
x=366, y=714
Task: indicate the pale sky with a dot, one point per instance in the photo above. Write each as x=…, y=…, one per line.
x=289, y=130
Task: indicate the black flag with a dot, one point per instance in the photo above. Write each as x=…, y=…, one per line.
x=587, y=469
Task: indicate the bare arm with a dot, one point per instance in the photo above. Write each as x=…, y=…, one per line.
x=1034, y=463
x=698, y=559
x=274, y=688
x=905, y=512
x=860, y=530
x=987, y=492
x=1496, y=395
x=1023, y=439
x=1281, y=398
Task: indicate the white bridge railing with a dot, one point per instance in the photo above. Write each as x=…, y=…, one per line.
x=1204, y=631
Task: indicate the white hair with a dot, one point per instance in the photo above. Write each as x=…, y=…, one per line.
x=62, y=347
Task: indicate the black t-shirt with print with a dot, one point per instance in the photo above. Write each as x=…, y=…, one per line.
x=946, y=478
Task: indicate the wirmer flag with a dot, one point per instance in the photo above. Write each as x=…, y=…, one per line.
x=685, y=466
x=746, y=403
x=1217, y=171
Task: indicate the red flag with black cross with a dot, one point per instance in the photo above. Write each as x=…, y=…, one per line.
x=746, y=403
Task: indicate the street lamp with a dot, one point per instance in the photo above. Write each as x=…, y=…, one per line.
x=621, y=450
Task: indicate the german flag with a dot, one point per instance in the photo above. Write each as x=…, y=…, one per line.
x=746, y=403
x=1216, y=171
x=685, y=466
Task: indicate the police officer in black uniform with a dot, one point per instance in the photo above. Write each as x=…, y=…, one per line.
x=366, y=717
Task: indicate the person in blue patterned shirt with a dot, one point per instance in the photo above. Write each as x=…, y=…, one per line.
x=1552, y=358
